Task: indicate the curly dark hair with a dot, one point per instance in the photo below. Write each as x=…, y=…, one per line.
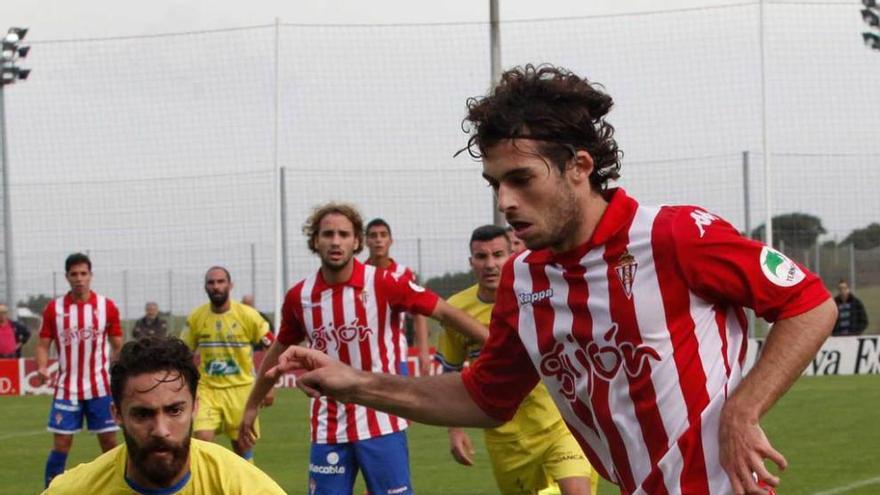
x=149, y=355
x=313, y=223
x=549, y=104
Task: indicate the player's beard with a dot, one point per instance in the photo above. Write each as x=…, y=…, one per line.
x=561, y=220
x=160, y=471
x=218, y=298
x=339, y=265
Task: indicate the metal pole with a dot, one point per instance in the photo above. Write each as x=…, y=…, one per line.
x=278, y=255
x=7, y=213
x=747, y=204
x=124, y=293
x=285, y=268
x=768, y=199
x=852, y=267
x=419, y=257
x=254, y=270
x=170, y=293
x=495, y=60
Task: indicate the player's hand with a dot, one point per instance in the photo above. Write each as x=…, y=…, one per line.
x=460, y=447
x=743, y=448
x=44, y=376
x=424, y=363
x=247, y=433
x=269, y=399
x=323, y=374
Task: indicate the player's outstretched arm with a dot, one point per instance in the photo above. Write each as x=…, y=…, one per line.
x=437, y=400
x=247, y=434
x=420, y=328
x=790, y=346
x=460, y=321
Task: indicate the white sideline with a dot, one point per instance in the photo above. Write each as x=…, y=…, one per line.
x=851, y=486
x=23, y=434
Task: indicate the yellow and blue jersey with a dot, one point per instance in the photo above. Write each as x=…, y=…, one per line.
x=213, y=469
x=225, y=343
x=536, y=412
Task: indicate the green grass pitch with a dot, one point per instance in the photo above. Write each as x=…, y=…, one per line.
x=827, y=427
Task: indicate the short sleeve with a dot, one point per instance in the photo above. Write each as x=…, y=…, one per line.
x=503, y=375
x=114, y=327
x=724, y=267
x=47, y=328
x=405, y=295
x=451, y=350
x=292, y=331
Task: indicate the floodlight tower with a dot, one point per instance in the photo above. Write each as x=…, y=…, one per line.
x=871, y=16
x=12, y=51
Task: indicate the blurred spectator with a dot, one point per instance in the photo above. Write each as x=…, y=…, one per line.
x=13, y=335
x=851, y=316
x=151, y=325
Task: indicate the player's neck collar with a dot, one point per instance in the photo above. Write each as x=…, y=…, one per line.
x=158, y=491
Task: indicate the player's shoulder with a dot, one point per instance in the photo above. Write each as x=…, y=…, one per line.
x=200, y=311
x=688, y=223
x=226, y=471
x=464, y=298
x=97, y=476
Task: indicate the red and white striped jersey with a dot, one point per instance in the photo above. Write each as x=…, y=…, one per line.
x=640, y=336
x=398, y=318
x=80, y=331
x=351, y=322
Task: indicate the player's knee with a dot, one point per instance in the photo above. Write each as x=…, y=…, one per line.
x=62, y=443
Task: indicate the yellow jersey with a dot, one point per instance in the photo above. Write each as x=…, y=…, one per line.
x=213, y=469
x=225, y=343
x=536, y=412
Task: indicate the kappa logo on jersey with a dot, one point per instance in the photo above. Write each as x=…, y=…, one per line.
x=626, y=272
x=703, y=219
x=779, y=269
x=416, y=287
x=533, y=297
x=324, y=335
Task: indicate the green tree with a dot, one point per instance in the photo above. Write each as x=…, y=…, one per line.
x=450, y=283
x=866, y=238
x=36, y=303
x=793, y=231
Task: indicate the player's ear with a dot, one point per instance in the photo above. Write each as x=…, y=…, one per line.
x=582, y=167
x=117, y=414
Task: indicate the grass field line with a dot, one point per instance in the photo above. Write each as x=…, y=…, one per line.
x=851, y=486
x=29, y=433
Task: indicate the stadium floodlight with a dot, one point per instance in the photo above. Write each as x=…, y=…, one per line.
x=9, y=74
x=871, y=40
x=871, y=17
x=16, y=34
x=871, y=4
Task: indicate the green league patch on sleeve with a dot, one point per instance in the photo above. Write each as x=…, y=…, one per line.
x=779, y=269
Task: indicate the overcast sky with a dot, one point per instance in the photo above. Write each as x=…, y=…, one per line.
x=58, y=19
x=152, y=126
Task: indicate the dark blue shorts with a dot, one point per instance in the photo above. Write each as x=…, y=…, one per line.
x=66, y=416
x=384, y=461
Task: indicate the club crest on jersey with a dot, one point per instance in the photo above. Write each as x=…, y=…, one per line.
x=626, y=272
x=779, y=269
x=365, y=297
x=703, y=219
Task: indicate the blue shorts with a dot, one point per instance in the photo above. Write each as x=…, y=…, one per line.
x=384, y=461
x=66, y=416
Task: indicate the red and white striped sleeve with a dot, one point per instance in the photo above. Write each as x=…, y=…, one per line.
x=724, y=267
x=292, y=331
